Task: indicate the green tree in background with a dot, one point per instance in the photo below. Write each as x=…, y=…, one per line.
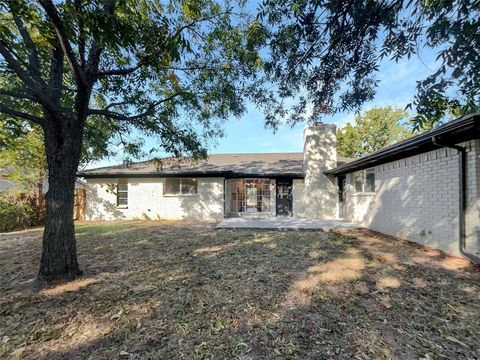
x=105, y=70
x=22, y=156
x=22, y=151
x=22, y=161
x=373, y=130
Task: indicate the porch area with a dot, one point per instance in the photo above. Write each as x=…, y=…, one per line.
x=263, y=197
x=283, y=223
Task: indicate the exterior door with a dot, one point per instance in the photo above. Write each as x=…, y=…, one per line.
x=284, y=197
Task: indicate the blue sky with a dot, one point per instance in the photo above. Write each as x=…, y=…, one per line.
x=248, y=134
x=396, y=88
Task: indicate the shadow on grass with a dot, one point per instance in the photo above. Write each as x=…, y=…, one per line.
x=157, y=291
x=105, y=228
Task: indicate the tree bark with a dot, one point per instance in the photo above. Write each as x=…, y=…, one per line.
x=63, y=143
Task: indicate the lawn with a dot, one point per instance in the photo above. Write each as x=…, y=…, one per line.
x=154, y=290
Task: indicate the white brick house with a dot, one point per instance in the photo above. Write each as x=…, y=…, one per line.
x=413, y=189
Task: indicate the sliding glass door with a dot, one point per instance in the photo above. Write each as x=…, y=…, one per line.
x=249, y=196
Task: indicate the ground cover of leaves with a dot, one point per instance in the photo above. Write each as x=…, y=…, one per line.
x=171, y=290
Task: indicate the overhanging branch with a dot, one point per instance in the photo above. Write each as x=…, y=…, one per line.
x=34, y=87
x=34, y=64
x=96, y=49
x=81, y=32
x=190, y=24
x=124, y=71
x=122, y=117
x=9, y=111
x=16, y=95
x=129, y=70
x=57, y=23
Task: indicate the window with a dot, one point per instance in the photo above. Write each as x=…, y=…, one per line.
x=180, y=186
x=122, y=194
x=364, y=180
x=249, y=195
x=359, y=178
x=369, y=180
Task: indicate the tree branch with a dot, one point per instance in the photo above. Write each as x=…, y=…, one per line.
x=129, y=70
x=81, y=33
x=109, y=106
x=121, y=117
x=17, y=95
x=57, y=23
x=9, y=111
x=56, y=74
x=35, y=88
x=34, y=64
x=114, y=115
x=124, y=71
x=95, y=50
x=208, y=18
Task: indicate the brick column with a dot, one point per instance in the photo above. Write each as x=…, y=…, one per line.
x=320, y=155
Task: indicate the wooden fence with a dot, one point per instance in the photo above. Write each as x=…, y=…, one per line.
x=79, y=204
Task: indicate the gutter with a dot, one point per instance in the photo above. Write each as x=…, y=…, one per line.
x=462, y=185
x=459, y=130
x=197, y=174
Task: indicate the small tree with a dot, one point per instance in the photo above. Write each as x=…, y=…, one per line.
x=22, y=160
x=92, y=68
x=373, y=130
x=22, y=155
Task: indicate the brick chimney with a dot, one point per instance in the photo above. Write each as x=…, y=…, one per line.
x=319, y=155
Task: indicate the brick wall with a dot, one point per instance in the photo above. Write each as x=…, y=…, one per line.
x=319, y=155
x=417, y=198
x=473, y=199
x=146, y=201
x=298, y=196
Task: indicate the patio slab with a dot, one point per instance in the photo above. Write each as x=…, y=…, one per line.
x=284, y=223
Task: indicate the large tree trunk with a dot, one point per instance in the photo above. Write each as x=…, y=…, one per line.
x=59, y=256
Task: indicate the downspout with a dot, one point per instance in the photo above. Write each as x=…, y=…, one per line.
x=462, y=184
x=224, y=198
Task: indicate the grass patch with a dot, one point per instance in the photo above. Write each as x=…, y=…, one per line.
x=165, y=290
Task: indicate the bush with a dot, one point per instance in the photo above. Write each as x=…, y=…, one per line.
x=14, y=215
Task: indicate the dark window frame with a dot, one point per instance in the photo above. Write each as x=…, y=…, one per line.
x=181, y=186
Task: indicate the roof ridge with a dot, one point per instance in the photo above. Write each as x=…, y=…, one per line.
x=261, y=153
x=172, y=157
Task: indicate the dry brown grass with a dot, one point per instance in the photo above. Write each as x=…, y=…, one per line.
x=155, y=290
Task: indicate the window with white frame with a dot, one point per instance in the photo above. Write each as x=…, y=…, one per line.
x=180, y=186
x=364, y=181
x=122, y=194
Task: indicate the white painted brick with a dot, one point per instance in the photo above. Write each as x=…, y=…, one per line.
x=422, y=197
x=146, y=201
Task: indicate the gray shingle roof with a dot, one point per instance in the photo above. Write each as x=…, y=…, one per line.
x=261, y=164
x=454, y=132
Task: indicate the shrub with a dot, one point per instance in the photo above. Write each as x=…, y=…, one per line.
x=14, y=215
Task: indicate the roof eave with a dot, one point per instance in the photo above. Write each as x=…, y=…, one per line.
x=199, y=174
x=463, y=129
x=93, y=175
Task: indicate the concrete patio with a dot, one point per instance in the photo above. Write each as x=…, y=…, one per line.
x=283, y=223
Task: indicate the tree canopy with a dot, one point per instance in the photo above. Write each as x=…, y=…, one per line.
x=108, y=70
x=173, y=70
x=327, y=54
x=373, y=130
